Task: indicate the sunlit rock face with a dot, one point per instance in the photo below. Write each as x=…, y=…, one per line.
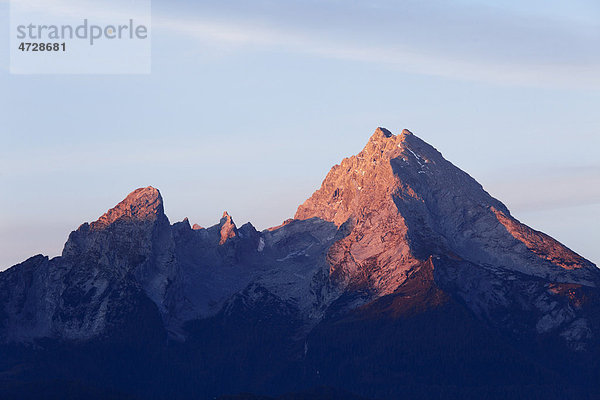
x=141, y=205
x=403, y=190
x=404, y=204
x=396, y=242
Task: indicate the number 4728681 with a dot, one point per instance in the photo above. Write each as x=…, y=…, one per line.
x=42, y=46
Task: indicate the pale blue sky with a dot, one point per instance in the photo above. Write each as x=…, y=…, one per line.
x=249, y=104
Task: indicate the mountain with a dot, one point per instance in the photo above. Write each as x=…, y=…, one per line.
x=399, y=277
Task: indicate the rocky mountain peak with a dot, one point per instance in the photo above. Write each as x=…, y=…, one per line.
x=131, y=223
x=143, y=204
x=228, y=228
x=399, y=192
x=382, y=132
x=359, y=182
x=381, y=143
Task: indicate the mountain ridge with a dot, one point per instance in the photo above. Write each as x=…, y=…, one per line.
x=396, y=237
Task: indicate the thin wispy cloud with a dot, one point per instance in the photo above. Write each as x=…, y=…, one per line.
x=473, y=43
x=463, y=40
x=397, y=56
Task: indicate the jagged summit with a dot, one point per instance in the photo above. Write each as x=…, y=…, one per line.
x=129, y=225
x=228, y=228
x=143, y=204
x=383, y=132
x=387, y=164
